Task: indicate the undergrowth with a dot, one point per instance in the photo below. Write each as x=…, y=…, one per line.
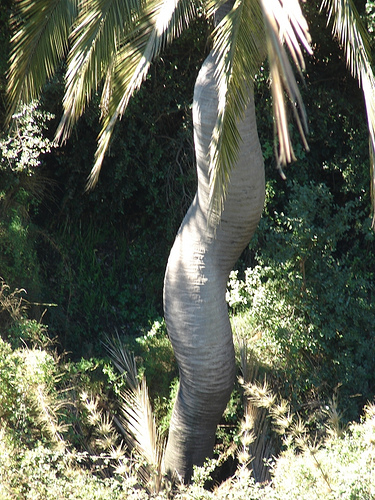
x=89, y=432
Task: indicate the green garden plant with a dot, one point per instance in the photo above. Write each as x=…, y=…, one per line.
x=306, y=312
x=37, y=460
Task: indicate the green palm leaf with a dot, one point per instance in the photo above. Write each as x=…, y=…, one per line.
x=353, y=37
x=159, y=23
x=100, y=27
x=236, y=45
x=39, y=43
x=237, y=42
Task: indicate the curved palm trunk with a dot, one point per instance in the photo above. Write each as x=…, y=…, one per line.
x=195, y=284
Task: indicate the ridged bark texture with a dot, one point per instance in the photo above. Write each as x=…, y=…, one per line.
x=195, y=284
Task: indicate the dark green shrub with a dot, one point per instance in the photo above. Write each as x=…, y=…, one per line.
x=311, y=302
x=104, y=261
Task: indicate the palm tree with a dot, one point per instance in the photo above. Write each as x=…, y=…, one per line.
x=109, y=45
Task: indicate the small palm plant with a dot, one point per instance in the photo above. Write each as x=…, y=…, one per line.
x=136, y=421
x=257, y=443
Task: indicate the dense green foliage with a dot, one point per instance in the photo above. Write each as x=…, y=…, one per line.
x=315, y=282
x=93, y=264
x=102, y=254
x=58, y=438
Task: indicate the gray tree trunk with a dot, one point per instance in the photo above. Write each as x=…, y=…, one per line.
x=195, y=284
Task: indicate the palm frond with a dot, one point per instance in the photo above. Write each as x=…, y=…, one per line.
x=123, y=360
x=141, y=433
x=239, y=48
x=285, y=23
x=347, y=27
x=159, y=23
x=239, y=54
x=99, y=28
x=137, y=422
x=41, y=30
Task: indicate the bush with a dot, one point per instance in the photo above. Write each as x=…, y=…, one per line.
x=43, y=474
x=22, y=187
x=28, y=398
x=342, y=468
x=60, y=422
x=308, y=302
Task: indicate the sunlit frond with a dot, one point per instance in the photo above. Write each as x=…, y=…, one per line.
x=137, y=421
x=159, y=23
x=285, y=24
x=100, y=26
x=237, y=47
x=347, y=26
x=124, y=361
x=41, y=30
x=141, y=430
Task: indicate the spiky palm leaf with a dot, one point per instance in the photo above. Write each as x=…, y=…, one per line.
x=285, y=23
x=39, y=43
x=238, y=50
x=141, y=433
x=99, y=29
x=353, y=37
x=123, y=360
x=239, y=45
x=159, y=23
x=137, y=421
